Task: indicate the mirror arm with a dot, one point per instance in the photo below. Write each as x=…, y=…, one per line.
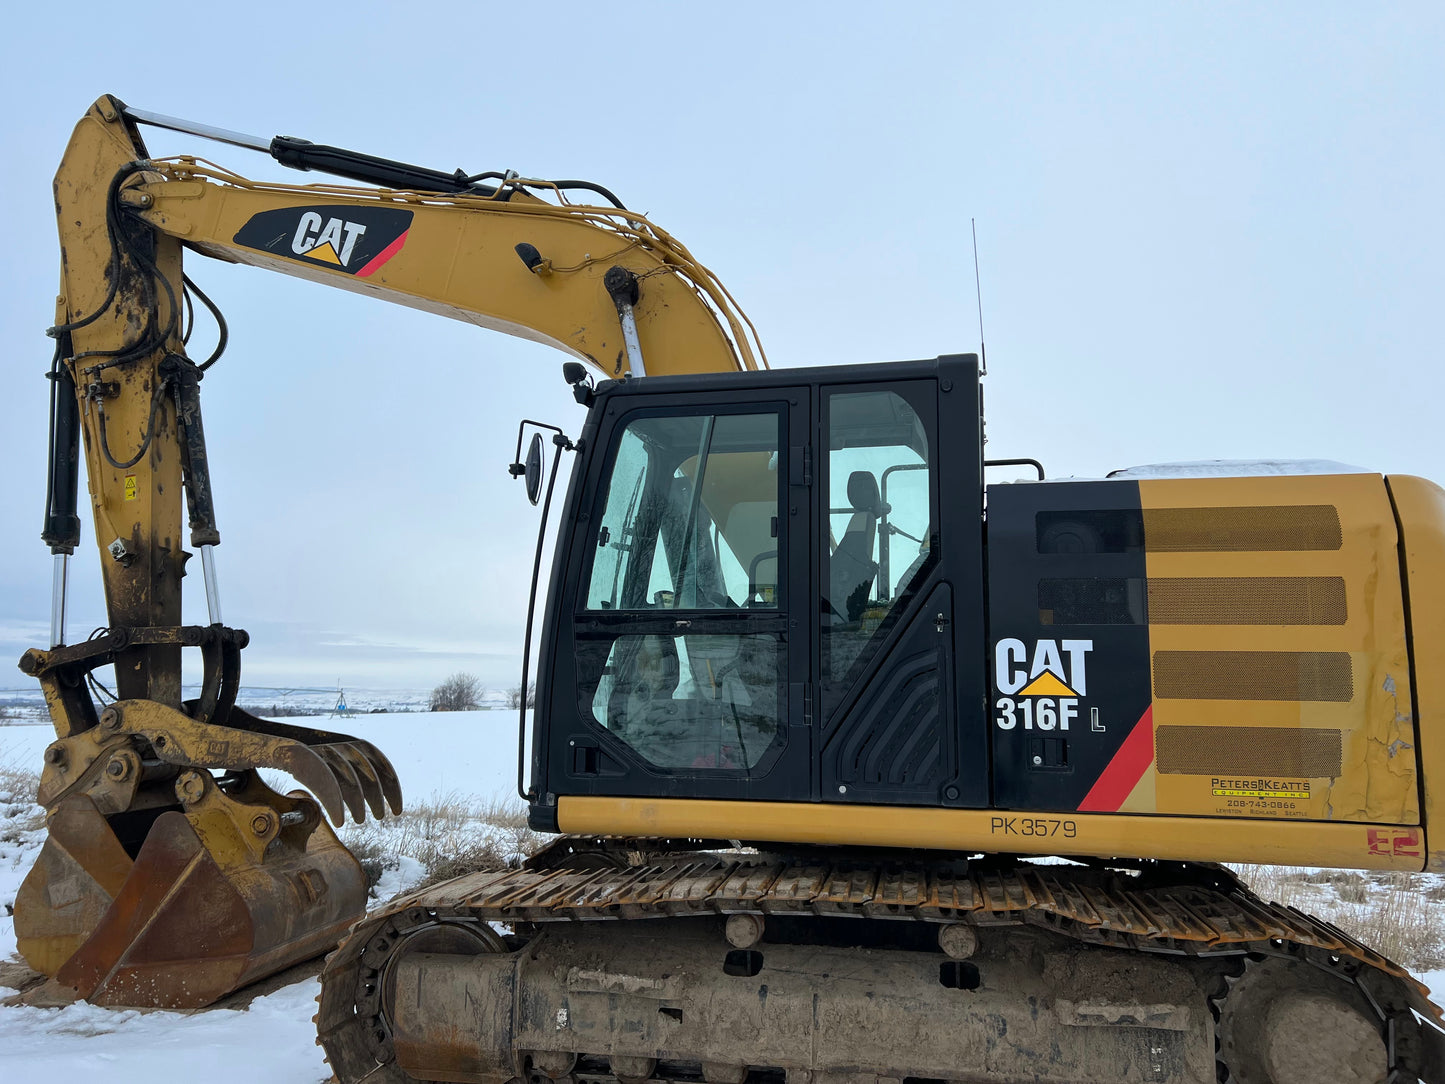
x=564, y=444
x=517, y=468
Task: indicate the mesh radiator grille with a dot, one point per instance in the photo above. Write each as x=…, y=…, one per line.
x=1259, y=528
x=1254, y=675
x=1249, y=750
x=1248, y=600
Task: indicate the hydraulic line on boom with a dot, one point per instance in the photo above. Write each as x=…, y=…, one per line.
x=172, y=874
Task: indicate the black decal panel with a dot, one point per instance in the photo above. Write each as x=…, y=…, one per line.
x=354, y=240
x=1068, y=644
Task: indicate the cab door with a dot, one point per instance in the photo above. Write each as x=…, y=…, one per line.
x=687, y=586
x=899, y=596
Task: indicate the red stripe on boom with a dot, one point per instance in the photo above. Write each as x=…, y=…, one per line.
x=381, y=257
x=1125, y=770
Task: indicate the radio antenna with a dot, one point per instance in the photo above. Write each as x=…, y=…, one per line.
x=978, y=290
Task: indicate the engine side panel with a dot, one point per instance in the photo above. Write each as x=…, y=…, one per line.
x=1277, y=641
x=1220, y=647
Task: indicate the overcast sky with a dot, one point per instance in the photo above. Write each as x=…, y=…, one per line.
x=1206, y=231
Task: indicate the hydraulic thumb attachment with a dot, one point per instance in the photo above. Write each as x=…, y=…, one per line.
x=172, y=874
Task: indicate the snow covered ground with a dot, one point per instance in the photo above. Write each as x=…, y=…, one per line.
x=448, y=763
x=452, y=767
x=272, y=1040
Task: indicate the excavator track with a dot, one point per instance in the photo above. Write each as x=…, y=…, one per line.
x=628, y=960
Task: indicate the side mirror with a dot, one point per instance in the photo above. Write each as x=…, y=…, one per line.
x=533, y=469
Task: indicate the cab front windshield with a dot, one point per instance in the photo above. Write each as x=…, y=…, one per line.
x=691, y=519
x=690, y=523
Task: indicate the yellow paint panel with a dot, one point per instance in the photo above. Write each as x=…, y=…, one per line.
x=1421, y=506
x=1347, y=846
x=1376, y=772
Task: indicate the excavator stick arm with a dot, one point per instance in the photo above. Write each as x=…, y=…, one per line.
x=157, y=804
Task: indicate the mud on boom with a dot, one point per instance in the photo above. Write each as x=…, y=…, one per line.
x=785, y=612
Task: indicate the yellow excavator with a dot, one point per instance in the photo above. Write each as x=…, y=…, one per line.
x=861, y=769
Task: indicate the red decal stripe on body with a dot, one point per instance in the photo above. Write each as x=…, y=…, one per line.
x=1125, y=770
x=381, y=257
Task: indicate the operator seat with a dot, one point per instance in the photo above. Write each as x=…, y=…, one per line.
x=852, y=566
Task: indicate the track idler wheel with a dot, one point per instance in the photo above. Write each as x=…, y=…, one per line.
x=371, y=1020
x=1285, y=1022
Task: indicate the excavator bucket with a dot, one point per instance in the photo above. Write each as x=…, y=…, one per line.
x=79, y=873
x=185, y=930
x=172, y=874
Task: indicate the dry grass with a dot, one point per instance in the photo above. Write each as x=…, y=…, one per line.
x=450, y=835
x=18, y=811
x=1401, y=915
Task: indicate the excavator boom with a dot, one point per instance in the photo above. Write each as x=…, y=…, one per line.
x=172, y=874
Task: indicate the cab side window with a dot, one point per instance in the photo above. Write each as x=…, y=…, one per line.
x=880, y=518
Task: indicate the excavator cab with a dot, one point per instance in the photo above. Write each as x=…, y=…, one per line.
x=753, y=581
x=780, y=612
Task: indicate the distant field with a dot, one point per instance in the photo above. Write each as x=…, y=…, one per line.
x=26, y=701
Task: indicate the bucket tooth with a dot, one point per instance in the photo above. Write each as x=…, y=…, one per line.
x=331, y=746
x=385, y=773
x=314, y=773
x=346, y=780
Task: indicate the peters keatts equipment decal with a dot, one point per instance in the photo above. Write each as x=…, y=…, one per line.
x=1260, y=797
x=1043, y=685
x=1259, y=788
x=356, y=240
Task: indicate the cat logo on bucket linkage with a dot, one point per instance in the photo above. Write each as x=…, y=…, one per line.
x=356, y=240
x=1042, y=686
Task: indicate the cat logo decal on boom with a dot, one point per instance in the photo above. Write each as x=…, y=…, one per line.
x=356, y=240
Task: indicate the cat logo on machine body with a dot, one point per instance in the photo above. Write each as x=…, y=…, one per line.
x=355, y=240
x=1043, y=686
